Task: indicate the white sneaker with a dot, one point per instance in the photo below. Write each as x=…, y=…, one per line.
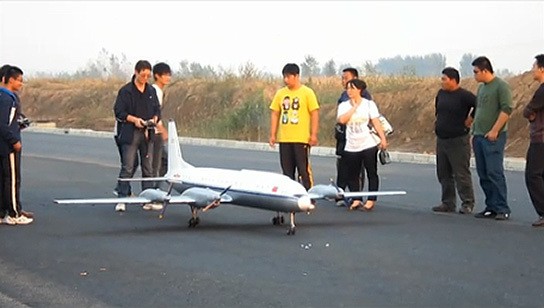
x=23, y=220
x=8, y=220
x=120, y=207
x=152, y=206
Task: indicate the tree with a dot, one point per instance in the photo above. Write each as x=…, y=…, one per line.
x=329, y=69
x=465, y=65
x=310, y=67
x=248, y=70
x=369, y=69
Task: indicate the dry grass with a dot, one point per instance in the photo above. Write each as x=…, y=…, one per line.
x=237, y=108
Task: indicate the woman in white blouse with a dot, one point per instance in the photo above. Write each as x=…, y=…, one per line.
x=361, y=147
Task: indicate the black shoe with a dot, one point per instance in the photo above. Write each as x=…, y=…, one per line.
x=465, y=210
x=442, y=208
x=502, y=216
x=486, y=214
x=539, y=222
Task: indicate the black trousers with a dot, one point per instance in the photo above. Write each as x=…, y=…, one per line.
x=351, y=166
x=453, y=170
x=534, y=176
x=160, y=160
x=10, y=184
x=295, y=157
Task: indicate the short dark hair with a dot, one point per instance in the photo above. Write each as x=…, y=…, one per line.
x=351, y=70
x=451, y=73
x=483, y=63
x=540, y=60
x=3, y=71
x=161, y=68
x=12, y=72
x=357, y=84
x=142, y=65
x=290, y=69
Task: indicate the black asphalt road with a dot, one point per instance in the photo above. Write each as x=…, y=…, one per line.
x=401, y=254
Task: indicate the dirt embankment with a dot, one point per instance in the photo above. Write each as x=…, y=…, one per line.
x=237, y=108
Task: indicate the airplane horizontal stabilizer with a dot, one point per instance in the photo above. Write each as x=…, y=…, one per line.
x=142, y=179
x=129, y=200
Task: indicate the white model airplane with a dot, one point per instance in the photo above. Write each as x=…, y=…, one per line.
x=206, y=188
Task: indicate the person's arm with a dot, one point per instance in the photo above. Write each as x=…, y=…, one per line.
x=379, y=129
x=536, y=104
x=493, y=134
x=274, y=118
x=314, y=127
x=5, y=132
x=470, y=100
x=121, y=109
x=505, y=105
x=344, y=117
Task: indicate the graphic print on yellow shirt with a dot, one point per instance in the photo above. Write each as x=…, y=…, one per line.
x=294, y=107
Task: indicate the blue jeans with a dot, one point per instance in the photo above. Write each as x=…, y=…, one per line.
x=489, y=157
x=129, y=153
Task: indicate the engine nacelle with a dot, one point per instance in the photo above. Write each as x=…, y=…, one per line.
x=202, y=196
x=155, y=195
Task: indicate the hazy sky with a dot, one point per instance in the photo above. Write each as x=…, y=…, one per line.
x=56, y=36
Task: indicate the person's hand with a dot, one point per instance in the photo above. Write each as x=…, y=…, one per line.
x=468, y=122
x=272, y=141
x=139, y=123
x=383, y=144
x=492, y=135
x=313, y=140
x=17, y=147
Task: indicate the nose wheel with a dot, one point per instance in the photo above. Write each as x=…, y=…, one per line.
x=194, y=221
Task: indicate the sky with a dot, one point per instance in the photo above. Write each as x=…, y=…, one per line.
x=63, y=36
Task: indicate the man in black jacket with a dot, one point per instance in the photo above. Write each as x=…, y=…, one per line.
x=137, y=111
x=452, y=107
x=534, y=168
x=10, y=148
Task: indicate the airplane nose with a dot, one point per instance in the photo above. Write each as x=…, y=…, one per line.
x=305, y=204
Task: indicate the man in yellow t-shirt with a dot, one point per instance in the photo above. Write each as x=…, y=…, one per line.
x=294, y=123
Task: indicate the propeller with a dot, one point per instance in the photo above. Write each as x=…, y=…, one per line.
x=217, y=200
x=340, y=193
x=166, y=200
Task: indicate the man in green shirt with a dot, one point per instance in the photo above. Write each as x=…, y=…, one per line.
x=493, y=109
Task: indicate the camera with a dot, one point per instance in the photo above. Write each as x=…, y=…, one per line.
x=149, y=124
x=23, y=122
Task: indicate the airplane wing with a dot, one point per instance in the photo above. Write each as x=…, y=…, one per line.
x=331, y=192
x=128, y=200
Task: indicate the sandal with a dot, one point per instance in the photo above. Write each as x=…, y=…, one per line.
x=367, y=208
x=355, y=205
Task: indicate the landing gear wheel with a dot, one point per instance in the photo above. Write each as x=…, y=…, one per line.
x=193, y=222
x=291, y=231
x=278, y=220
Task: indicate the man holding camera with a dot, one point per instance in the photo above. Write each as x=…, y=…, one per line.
x=137, y=110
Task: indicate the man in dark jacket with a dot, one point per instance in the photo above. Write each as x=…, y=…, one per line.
x=10, y=148
x=137, y=111
x=534, y=168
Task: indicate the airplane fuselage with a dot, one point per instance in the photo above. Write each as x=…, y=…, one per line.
x=257, y=189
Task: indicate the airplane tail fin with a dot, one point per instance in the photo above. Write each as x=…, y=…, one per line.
x=176, y=164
